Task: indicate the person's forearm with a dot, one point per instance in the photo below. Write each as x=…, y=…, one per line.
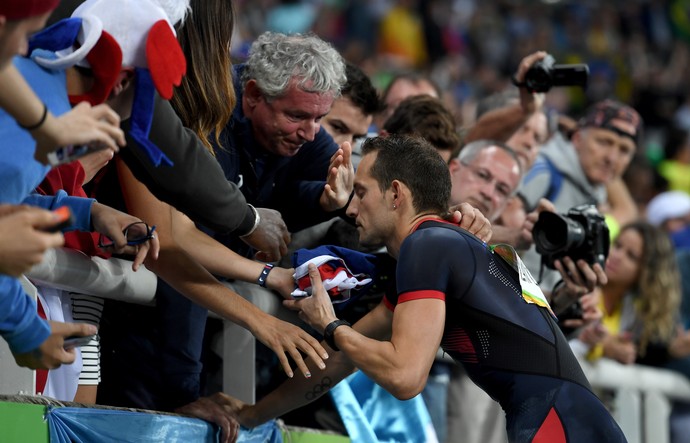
x=195, y=184
x=189, y=278
x=299, y=391
x=399, y=362
x=382, y=362
x=211, y=254
x=499, y=124
x=17, y=97
x=20, y=324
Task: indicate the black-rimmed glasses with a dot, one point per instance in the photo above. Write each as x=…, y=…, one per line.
x=136, y=234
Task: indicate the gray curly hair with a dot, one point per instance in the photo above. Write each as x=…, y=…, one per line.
x=274, y=59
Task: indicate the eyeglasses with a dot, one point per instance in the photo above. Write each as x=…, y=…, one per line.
x=136, y=234
x=483, y=175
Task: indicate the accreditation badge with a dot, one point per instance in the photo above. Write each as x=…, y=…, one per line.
x=531, y=292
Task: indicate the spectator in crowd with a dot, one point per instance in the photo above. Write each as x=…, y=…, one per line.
x=403, y=86
x=274, y=148
x=82, y=125
x=670, y=211
x=352, y=113
x=427, y=117
x=515, y=115
x=572, y=173
x=397, y=203
x=174, y=265
x=485, y=174
x=195, y=183
x=347, y=121
x=640, y=303
x=34, y=342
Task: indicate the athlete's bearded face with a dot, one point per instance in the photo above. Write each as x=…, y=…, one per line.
x=370, y=208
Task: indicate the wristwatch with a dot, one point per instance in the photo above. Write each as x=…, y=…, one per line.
x=330, y=330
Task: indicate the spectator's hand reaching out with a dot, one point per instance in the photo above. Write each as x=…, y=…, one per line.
x=620, y=348
x=219, y=409
x=23, y=237
x=340, y=181
x=271, y=238
x=51, y=353
x=97, y=126
x=472, y=220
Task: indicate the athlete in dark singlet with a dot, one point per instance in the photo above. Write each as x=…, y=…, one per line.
x=511, y=349
x=452, y=291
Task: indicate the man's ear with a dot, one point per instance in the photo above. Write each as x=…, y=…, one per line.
x=453, y=165
x=398, y=190
x=576, y=138
x=252, y=94
x=123, y=82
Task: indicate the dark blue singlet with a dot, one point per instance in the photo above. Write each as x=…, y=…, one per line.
x=511, y=349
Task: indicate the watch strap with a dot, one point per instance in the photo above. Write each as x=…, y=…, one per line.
x=264, y=275
x=330, y=330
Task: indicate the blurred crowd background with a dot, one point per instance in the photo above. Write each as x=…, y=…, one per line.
x=637, y=50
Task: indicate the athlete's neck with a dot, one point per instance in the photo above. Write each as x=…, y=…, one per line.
x=405, y=228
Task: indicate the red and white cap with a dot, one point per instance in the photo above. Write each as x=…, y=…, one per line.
x=108, y=35
x=139, y=32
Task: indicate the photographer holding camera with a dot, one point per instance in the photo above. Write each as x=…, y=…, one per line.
x=574, y=171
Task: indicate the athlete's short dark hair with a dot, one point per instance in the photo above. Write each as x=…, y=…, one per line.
x=414, y=162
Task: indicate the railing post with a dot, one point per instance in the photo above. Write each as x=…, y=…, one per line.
x=628, y=413
x=657, y=411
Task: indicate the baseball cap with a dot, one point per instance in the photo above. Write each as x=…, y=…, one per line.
x=668, y=205
x=603, y=115
x=21, y=9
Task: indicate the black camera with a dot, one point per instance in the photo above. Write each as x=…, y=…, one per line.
x=580, y=234
x=545, y=74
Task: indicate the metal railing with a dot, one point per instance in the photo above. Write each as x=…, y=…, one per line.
x=642, y=397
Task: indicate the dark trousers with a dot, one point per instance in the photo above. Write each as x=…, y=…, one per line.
x=151, y=356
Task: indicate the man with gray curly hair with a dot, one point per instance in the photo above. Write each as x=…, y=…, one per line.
x=274, y=147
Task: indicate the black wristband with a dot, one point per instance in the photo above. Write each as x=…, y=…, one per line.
x=40, y=122
x=330, y=330
x=264, y=275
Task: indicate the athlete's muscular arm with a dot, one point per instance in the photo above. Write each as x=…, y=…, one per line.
x=400, y=364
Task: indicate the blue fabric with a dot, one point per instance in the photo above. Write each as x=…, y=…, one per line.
x=20, y=173
x=357, y=262
x=20, y=324
x=80, y=207
x=142, y=115
x=372, y=415
x=60, y=35
x=268, y=432
x=151, y=356
x=681, y=239
x=84, y=425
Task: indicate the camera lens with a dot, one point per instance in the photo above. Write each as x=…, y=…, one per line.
x=538, y=79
